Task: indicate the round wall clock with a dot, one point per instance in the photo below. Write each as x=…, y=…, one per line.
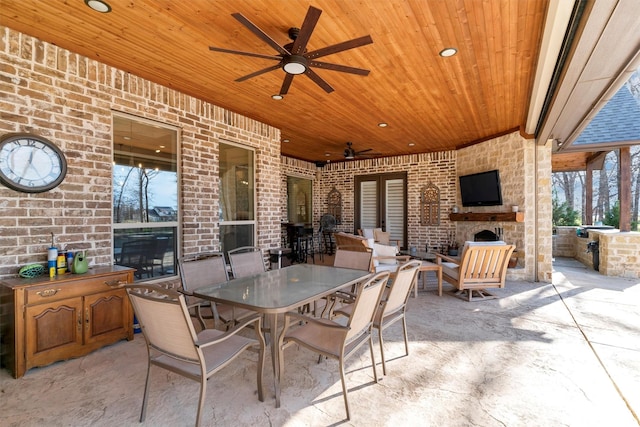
x=30, y=163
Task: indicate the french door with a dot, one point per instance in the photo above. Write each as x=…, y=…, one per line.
x=381, y=202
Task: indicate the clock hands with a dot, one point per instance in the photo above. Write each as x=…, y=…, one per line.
x=30, y=165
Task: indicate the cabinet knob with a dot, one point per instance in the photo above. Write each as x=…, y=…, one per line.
x=47, y=292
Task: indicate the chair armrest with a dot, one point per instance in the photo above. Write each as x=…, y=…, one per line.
x=402, y=258
x=185, y=292
x=234, y=330
x=320, y=321
x=440, y=257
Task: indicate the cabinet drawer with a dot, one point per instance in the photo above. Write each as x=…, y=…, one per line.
x=56, y=291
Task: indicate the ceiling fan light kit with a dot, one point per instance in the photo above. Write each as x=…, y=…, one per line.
x=293, y=57
x=295, y=64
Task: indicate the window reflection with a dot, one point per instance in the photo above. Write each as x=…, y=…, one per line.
x=145, y=196
x=237, y=197
x=299, y=195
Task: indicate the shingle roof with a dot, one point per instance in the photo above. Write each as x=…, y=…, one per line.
x=619, y=120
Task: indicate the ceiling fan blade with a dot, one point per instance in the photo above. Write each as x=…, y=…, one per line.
x=341, y=68
x=319, y=80
x=309, y=24
x=349, y=44
x=363, y=151
x=239, y=52
x=288, y=78
x=259, y=33
x=257, y=73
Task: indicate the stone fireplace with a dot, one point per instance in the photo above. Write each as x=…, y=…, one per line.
x=487, y=236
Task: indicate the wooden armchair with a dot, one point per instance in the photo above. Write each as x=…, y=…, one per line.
x=385, y=257
x=482, y=265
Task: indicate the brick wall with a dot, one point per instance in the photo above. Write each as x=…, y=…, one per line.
x=522, y=181
x=69, y=99
x=438, y=168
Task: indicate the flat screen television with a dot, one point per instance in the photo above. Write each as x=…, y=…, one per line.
x=481, y=189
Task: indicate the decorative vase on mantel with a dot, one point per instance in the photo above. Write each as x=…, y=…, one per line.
x=453, y=249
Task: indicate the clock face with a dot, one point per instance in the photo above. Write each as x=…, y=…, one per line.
x=30, y=163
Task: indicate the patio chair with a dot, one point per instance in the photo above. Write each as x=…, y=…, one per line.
x=393, y=304
x=331, y=339
x=206, y=269
x=161, y=247
x=356, y=257
x=138, y=254
x=172, y=342
x=482, y=265
x=386, y=258
x=246, y=261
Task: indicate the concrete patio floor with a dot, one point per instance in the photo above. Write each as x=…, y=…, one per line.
x=561, y=354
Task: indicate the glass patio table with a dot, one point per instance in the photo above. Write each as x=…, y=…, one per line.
x=277, y=291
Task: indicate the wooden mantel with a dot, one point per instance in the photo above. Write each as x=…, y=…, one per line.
x=488, y=216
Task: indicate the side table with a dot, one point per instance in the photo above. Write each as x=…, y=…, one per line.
x=429, y=266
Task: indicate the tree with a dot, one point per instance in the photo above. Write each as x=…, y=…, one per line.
x=563, y=214
x=612, y=217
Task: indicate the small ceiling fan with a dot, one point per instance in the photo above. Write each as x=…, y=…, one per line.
x=350, y=153
x=293, y=58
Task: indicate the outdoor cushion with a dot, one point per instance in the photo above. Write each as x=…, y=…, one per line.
x=450, y=269
x=385, y=250
x=367, y=233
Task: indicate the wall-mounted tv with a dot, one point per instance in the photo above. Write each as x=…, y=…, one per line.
x=481, y=189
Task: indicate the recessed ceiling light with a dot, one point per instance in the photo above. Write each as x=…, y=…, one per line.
x=447, y=52
x=98, y=6
x=285, y=140
x=277, y=97
x=411, y=144
x=157, y=151
x=383, y=125
x=327, y=154
x=126, y=138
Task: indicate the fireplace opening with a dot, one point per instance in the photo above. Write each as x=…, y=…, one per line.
x=486, y=236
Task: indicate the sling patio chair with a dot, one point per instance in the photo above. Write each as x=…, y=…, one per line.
x=246, y=261
x=174, y=345
x=206, y=269
x=393, y=304
x=332, y=339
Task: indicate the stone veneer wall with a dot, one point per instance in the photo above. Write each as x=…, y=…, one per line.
x=69, y=99
x=619, y=253
x=564, y=244
x=523, y=181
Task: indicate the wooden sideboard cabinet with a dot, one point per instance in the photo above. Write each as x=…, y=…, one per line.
x=51, y=319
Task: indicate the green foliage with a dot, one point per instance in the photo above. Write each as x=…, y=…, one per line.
x=612, y=217
x=563, y=215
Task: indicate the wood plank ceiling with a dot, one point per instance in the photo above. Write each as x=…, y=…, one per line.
x=430, y=103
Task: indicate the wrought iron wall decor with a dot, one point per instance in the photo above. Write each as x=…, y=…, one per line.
x=430, y=205
x=334, y=204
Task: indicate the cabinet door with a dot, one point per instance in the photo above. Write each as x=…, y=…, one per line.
x=53, y=331
x=107, y=317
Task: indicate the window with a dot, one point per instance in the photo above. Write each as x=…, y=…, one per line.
x=237, y=197
x=145, y=196
x=299, y=198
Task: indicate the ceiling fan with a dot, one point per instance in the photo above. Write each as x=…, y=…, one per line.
x=350, y=153
x=293, y=58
